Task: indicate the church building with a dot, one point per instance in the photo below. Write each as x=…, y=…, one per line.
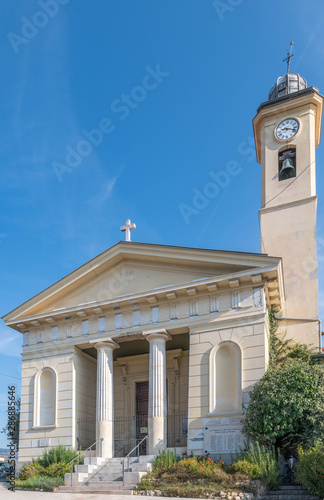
x=166, y=341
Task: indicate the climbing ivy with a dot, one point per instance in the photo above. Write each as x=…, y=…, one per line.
x=282, y=349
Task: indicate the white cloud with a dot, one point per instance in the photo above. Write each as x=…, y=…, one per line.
x=104, y=194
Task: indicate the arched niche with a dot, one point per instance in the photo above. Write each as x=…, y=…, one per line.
x=225, y=379
x=45, y=398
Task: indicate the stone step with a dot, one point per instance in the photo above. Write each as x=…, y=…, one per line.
x=293, y=487
x=109, y=469
x=115, y=485
x=104, y=477
x=289, y=491
x=288, y=496
x=100, y=489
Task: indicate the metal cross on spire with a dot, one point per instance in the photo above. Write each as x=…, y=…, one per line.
x=289, y=56
x=127, y=228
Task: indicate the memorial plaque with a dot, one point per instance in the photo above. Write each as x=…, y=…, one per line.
x=223, y=435
x=43, y=442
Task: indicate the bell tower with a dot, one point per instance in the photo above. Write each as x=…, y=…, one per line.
x=287, y=131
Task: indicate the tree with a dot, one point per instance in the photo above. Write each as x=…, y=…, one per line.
x=14, y=435
x=287, y=406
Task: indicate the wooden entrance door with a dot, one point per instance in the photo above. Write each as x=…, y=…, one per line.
x=142, y=397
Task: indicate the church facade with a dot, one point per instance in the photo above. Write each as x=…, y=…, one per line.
x=167, y=342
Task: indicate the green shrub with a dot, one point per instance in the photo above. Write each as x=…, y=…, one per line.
x=58, y=454
x=286, y=406
x=31, y=470
x=250, y=469
x=57, y=470
x=193, y=477
x=165, y=459
x=199, y=468
x=41, y=483
x=259, y=462
x=310, y=468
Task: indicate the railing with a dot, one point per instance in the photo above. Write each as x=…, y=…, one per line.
x=77, y=457
x=128, y=431
x=137, y=449
x=120, y=451
x=177, y=429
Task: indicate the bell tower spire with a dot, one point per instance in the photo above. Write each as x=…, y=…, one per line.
x=287, y=131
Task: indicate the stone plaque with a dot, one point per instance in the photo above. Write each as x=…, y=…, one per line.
x=43, y=443
x=223, y=435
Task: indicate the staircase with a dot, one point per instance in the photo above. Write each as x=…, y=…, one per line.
x=106, y=476
x=291, y=492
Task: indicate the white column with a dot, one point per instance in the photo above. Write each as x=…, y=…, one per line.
x=105, y=398
x=157, y=406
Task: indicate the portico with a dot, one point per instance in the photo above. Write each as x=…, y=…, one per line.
x=157, y=407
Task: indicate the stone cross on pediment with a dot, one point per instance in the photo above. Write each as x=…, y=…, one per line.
x=127, y=228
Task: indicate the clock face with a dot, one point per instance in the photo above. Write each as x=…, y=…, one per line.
x=287, y=129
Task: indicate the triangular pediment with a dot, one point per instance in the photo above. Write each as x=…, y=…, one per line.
x=133, y=269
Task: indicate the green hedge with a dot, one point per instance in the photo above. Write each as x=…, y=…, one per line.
x=44, y=483
x=310, y=468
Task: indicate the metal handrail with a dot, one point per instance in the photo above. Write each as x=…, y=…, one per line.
x=129, y=454
x=78, y=456
x=124, y=446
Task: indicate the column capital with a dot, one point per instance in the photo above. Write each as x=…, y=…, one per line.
x=157, y=334
x=107, y=344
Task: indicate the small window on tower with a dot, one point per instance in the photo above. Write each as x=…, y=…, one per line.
x=287, y=164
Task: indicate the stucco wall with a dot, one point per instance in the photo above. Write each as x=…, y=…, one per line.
x=251, y=338
x=33, y=441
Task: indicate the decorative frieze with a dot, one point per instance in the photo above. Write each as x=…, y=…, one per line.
x=54, y=333
x=173, y=311
x=26, y=339
x=258, y=297
x=193, y=308
x=136, y=317
x=101, y=324
x=85, y=327
x=155, y=314
x=118, y=321
x=213, y=303
x=68, y=330
x=39, y=336
x=235, y=299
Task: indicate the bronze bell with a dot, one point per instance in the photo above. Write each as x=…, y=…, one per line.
x=288, y=170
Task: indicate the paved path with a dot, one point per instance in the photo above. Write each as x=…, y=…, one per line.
x=5, y=494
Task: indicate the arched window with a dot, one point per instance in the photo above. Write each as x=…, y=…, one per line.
x=45, y=398
x=225, y=391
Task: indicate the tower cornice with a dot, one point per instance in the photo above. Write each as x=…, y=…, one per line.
x=282, y=105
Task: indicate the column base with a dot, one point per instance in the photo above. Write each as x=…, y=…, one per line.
x=105, y=448
x=157, y=434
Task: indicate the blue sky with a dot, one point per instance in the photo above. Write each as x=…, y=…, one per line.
x=69, y=72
